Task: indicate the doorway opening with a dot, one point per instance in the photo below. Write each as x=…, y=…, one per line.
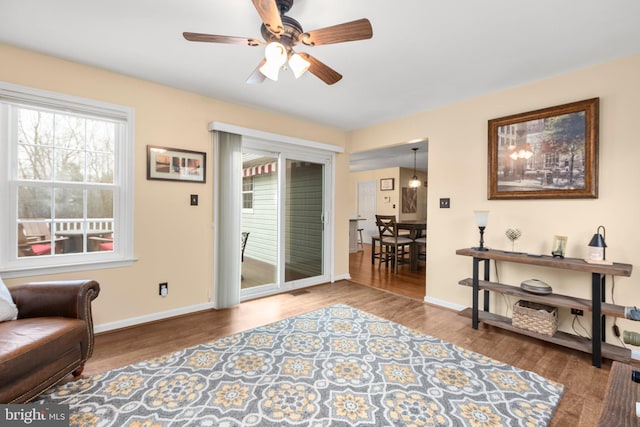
x=380, y=180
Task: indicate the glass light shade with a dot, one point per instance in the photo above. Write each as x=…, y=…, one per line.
x=596, y=254
x=482, y=218
x=276, y=52
x=270, y=70
x=298, y=65
x=415, y=182
x=597, y=245
x=276, y=55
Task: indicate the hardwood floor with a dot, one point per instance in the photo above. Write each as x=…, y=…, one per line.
x=405, y=282
x=584, y=384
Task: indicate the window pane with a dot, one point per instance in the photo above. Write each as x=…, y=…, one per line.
x=69, y=165
x=69, y=132
x=247, y=200
x=34, y=202
x=35, y=127
x=69, y=203
x=304, y=207
x=100, y=168
x=34, y=239
x=100, y=136
x=100, y=204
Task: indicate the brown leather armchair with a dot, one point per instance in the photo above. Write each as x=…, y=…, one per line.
x=52, y=337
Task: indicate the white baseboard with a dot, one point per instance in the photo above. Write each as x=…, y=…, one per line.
x=104, y=327
x=445, y=304
x=341, y=277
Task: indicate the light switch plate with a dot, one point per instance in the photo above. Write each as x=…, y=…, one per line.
x=194, y=200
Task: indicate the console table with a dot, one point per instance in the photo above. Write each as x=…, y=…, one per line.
x=596, y=305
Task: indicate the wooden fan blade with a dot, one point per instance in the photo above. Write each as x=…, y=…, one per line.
x=257, y=77
x=321, y=70
x=197, y=37
x=347, y=32
x=270, y=15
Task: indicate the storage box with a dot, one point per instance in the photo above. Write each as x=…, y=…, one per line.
x=535, y=317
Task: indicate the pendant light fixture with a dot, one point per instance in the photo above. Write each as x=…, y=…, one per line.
x=414, y=182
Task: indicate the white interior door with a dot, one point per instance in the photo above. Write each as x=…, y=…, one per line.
x=367, y=209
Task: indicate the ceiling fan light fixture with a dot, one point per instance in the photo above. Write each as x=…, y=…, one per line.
x=298, y=65
x=276, y=55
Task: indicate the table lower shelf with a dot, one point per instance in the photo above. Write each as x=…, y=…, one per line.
x=561, y=338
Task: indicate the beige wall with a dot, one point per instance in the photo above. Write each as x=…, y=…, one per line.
x=383, y=207
x=394, y=205
x=458, y=169
x=173, y=241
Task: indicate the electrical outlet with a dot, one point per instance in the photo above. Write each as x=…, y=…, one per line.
x=163, y=289
x=577, y=312
x=445, y=203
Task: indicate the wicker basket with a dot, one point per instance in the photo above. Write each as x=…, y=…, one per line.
x=535, y=317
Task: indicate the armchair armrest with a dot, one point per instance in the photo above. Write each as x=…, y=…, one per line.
x=70, y=298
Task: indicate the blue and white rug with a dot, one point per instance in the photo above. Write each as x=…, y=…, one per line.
x=337, y=366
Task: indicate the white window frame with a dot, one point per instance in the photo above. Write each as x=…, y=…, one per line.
x=10, y=264
x=247, y=210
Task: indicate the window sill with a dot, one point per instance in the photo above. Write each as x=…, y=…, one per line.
x=68, y=268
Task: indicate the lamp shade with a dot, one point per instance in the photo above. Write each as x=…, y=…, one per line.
x=597, y=245
x=598, y=241
x=276, y=55
x=482, y=218
x=414, y=182
x=298, y=65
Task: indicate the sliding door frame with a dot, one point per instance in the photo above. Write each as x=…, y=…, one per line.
x=292, y=149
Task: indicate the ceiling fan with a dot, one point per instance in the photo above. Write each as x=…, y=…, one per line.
x=281, y=33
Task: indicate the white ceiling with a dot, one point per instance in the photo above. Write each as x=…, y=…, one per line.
x=400, y=155
x=423, y=54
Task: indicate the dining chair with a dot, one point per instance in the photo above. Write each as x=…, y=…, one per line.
x=393, y=248
x=422, y=243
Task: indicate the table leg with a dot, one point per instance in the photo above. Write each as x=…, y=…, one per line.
x=596, y=320
x=414, y=252
x=476, y=290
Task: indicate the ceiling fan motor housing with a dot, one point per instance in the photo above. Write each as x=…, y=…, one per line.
x=290, y=36
x=284, y=6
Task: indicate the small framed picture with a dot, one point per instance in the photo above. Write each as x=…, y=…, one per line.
x=386, y=184
x=173, y=164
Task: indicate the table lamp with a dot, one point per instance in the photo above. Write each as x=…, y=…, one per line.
x=597, y=246
x=482, y=218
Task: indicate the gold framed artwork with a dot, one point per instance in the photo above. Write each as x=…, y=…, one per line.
x=545, y=154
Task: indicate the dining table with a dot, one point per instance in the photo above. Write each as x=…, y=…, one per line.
x=417, y=228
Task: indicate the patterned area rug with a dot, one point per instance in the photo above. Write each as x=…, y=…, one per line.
x=337, y=366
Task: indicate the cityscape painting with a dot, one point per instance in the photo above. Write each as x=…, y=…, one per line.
x=545, y=154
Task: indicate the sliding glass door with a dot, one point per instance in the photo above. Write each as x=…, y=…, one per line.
x=259, y=224
x=304, y=220
x=284, y=206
